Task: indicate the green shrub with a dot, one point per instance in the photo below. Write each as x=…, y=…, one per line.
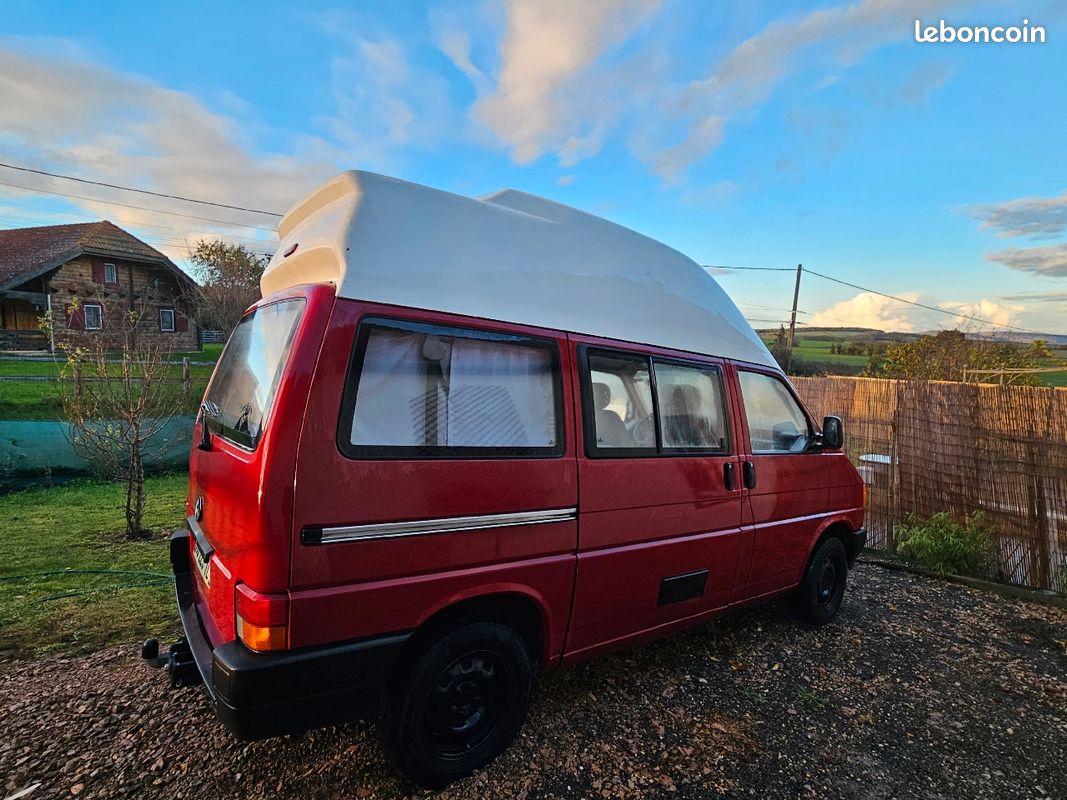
x=943, y=545
x=1060, y=584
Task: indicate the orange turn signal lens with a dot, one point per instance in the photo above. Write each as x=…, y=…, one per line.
x=261, y=637
x=262, y=620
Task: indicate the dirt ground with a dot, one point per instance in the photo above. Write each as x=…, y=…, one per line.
x=921, y=689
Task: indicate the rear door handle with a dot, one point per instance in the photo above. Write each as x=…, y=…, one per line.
x=728, y=475
x=748, y=475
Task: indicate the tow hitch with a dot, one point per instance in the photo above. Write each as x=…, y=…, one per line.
x=178, y=662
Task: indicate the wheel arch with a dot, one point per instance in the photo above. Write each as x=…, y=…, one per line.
x=521, y=610
x=835, y=527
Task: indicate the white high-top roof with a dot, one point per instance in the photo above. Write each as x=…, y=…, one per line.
x=510, y=256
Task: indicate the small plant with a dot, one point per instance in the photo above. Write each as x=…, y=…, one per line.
x=947, y=547
x=812, y=698
x=752, y=696
x=1059, y=583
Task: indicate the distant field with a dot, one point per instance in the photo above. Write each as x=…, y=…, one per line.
x=819, y=351
x=814, y=348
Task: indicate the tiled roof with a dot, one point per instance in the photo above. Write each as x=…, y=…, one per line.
x=25, y=252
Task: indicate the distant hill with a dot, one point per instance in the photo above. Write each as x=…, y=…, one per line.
x=872, y=335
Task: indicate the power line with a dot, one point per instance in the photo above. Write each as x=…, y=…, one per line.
x=83, y=217
x=138, y=208
x=139, y=191
x=924, y=305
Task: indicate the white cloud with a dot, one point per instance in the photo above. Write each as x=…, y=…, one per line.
x=565, y=180
x=746, y=77
x=64, y=113
x=384, y=102
x=999, y=313
x=452, y=39
x=868, y=310
x=543, y=97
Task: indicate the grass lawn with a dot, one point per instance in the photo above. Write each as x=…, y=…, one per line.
x=29, y=400
x=68, y=578
x=38, y=399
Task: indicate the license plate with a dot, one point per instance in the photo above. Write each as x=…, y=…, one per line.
x=203, y=565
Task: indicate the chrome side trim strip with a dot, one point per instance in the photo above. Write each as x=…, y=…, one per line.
x=424, y=527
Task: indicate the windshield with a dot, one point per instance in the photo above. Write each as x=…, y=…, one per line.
x=239, y=397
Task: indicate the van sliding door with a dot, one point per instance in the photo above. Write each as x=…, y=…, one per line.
x=660, y=510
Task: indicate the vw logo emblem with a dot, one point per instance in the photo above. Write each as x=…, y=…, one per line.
x=198, y=508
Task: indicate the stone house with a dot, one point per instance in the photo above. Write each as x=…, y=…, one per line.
x=87, y=274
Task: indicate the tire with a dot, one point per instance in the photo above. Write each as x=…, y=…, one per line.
x=817, y=600
x=461, y=704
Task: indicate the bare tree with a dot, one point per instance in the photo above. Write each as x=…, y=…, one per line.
x=118, y=393
x=229, y=282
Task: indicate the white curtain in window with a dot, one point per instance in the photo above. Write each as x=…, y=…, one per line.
x=391, y=402
x=500, y=394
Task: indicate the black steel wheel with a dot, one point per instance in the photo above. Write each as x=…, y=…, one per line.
x=817, y=600
x=461, y=705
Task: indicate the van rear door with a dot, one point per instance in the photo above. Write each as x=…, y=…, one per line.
x=239, y=505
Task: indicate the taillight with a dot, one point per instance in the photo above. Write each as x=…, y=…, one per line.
x=262, y=619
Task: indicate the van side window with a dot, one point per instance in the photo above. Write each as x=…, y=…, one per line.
x=429, y=391
x=691, y=408
x=641, y=406
x=622, y=402
x=776, y=423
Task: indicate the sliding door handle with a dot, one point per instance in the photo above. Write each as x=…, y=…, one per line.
x=728, y=476
x=748, y=474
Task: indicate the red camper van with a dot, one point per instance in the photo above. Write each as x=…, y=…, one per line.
x=463, y=441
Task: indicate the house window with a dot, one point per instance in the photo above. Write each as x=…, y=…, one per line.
x=111, y=273
x=94, y=317
x=166, y=320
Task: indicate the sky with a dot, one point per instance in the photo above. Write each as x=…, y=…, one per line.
x=758, y=134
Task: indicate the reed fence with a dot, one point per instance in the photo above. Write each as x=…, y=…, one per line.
x=925, y=447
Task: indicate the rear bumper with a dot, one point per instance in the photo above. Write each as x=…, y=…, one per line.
x=257, y=695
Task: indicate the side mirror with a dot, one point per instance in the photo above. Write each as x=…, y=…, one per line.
x=833, y=435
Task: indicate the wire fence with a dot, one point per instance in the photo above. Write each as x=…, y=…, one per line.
x=927, y=447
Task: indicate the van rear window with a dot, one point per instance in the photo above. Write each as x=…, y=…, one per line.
x=240, y=395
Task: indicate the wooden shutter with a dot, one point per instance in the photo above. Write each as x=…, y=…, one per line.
x=76, y=318
x=181, y=323
x=98, y=270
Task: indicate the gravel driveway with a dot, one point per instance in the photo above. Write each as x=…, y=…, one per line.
x=921, y=689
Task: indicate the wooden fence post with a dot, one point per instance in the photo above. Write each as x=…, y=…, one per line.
x=186, y=381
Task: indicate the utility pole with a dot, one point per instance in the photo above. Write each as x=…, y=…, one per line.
x=793, y=319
